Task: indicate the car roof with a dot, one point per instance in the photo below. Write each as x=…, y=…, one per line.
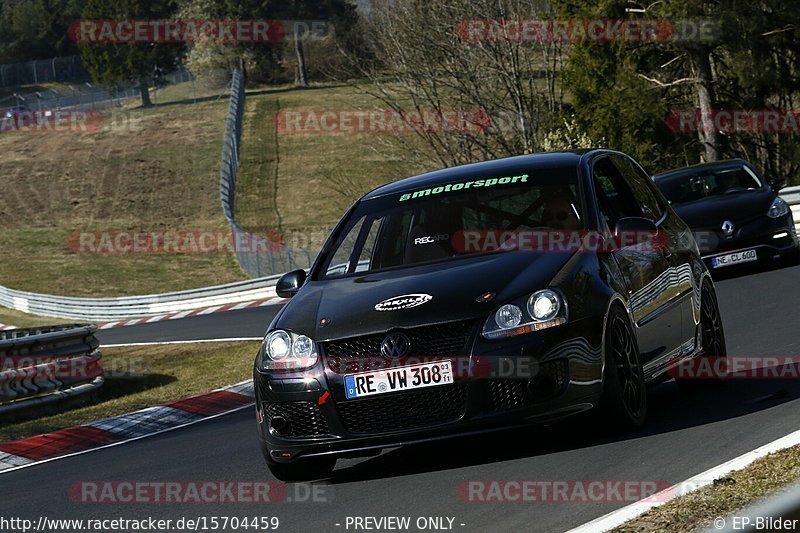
x=694, y=169
x=509, y=166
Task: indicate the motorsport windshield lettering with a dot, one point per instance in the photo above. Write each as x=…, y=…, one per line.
x=491, y=182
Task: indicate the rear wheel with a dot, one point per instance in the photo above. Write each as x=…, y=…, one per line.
x=303, y=469
x=624, y=400
x=712, y=343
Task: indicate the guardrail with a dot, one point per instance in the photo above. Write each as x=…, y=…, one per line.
x=258, y=255
x=108, y=309
x=792, y=197
x=43, y=365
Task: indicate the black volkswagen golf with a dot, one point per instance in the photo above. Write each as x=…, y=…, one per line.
x=487, y=296
x=736, y=215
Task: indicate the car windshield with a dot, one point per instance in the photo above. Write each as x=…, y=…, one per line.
x=426, y=224
x=685, y=188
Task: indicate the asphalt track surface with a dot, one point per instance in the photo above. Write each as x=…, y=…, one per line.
x=687, y=433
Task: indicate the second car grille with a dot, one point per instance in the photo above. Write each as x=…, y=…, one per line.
x=404, y=410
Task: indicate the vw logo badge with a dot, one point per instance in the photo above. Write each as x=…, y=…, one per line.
x=395, y=345
x=728, y=228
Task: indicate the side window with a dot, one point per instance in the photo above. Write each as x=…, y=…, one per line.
x=643, y=189
x=361, y=237
x=615, y=197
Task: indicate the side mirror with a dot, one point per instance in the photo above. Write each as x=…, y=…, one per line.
x=777, y=184
x=290, y=283
x=631, y=231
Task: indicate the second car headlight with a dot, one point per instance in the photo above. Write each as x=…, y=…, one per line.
x=778, y=208
x=545, y=309
x=283, y=350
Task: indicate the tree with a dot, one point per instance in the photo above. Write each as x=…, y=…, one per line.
x=338, y=13
x=429, y=57
x=36, y=29
x=137, y=62
x=749, y=62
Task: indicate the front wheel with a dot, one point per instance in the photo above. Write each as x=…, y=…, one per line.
x=303, y=469
x=624, y=399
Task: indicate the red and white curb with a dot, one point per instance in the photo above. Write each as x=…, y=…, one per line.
x=194, y=312
x=131, y=426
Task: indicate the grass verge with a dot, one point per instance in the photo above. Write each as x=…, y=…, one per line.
x=300, y=184
x=154, y=169
x=725, y=496
x=144, y=376
x=10, y=317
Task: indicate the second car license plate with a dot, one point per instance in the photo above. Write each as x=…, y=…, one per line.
x=397, y=379
x=734, y=258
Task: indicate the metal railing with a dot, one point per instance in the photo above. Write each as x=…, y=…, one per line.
x=43, y=365
x=56, y=69
x=257, y=254
x=108, y=309
x=792, y=197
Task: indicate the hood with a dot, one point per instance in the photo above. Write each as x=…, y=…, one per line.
x=453, y=286
x=739, y=208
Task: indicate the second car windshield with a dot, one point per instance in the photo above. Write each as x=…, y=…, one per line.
x=692, y=187
x=423, y=225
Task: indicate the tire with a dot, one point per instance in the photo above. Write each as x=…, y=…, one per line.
x=712, y=342
x=303, y=469
x=624, y=400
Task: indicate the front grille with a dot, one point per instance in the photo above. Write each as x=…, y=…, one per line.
x=304, y=419
x=404, y=410
x=508, y=394
x=364, y=353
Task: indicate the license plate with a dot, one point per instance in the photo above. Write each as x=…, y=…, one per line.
x=398, y=379
x=734, y=258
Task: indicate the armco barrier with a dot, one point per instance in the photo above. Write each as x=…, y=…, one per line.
x=108, y=309
x=792, y=197
x=44, y=365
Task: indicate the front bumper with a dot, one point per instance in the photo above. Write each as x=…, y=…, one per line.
x=768, y=237
x=537, y=377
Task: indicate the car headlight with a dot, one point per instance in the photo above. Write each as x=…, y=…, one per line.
x=544, y=309
x=544, y=305
x=778, y=209
x=283, y=350
x=508, y=316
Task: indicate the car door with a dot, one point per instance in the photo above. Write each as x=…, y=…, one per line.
x=648, y=270
x=682, y=258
